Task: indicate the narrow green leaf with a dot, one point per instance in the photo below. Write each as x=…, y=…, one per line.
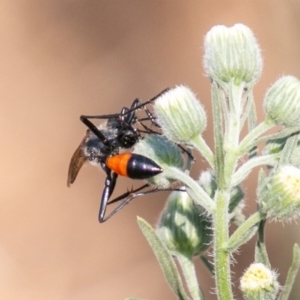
x=189, y=273
x=165, y=259
x=285, y=293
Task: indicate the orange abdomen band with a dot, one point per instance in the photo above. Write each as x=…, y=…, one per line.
x=119, y=163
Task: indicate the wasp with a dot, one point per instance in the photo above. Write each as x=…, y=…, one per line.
x=101, y=146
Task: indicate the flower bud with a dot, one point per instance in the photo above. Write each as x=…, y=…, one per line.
x=164, y=153
x=180, y=115
x=183, y=227
x=282, y=102
x=259, y=282
x=280, y=196
x=232, y=54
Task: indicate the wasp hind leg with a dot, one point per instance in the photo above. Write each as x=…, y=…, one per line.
x=126, y=199
x=110, y=183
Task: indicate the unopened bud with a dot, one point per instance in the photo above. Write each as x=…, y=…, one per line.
x=183, y=227
x=232, y=54
x=280, y=196
x=259, y=282
x=180, y=115
x=282, y=102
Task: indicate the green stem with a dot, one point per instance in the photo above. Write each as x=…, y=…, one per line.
x=248, y=166
x=189, y=273
x=232, y=133
x=240, y=236
x=249, y=140
x=278, y=135
x=199, y=195
x=231, y=139
x=249, y=110
x=199, y=143
x=217, y=101
x=221, y=255
x=225, y=162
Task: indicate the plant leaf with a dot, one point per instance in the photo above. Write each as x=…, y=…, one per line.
x=285, y=293
x=165, y=259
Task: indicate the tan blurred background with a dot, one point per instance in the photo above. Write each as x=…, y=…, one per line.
x=60, y=59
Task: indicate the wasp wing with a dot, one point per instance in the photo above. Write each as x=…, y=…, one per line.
x=76, y=162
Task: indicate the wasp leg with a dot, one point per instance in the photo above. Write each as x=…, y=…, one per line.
x=126, y=197
x=128, y=112
x=109, y=116
x=151, y=117
x=109, y=186
x=142, y=104
x=137, y=104
x=125, y=115
x=130, y=195
x=133, y=194
x=94, y=129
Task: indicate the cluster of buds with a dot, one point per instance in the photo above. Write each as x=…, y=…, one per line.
x=233, y=62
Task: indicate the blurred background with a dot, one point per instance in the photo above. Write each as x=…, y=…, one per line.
x=60, y=59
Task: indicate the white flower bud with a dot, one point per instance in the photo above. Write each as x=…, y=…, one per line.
x=280, y=197
x=282, y=102
x=259, y=282
x=232, y=54
x=180, y=115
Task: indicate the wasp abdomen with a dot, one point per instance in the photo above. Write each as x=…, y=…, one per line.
x=133, y=165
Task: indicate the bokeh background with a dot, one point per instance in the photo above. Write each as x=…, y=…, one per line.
x=60, y=59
